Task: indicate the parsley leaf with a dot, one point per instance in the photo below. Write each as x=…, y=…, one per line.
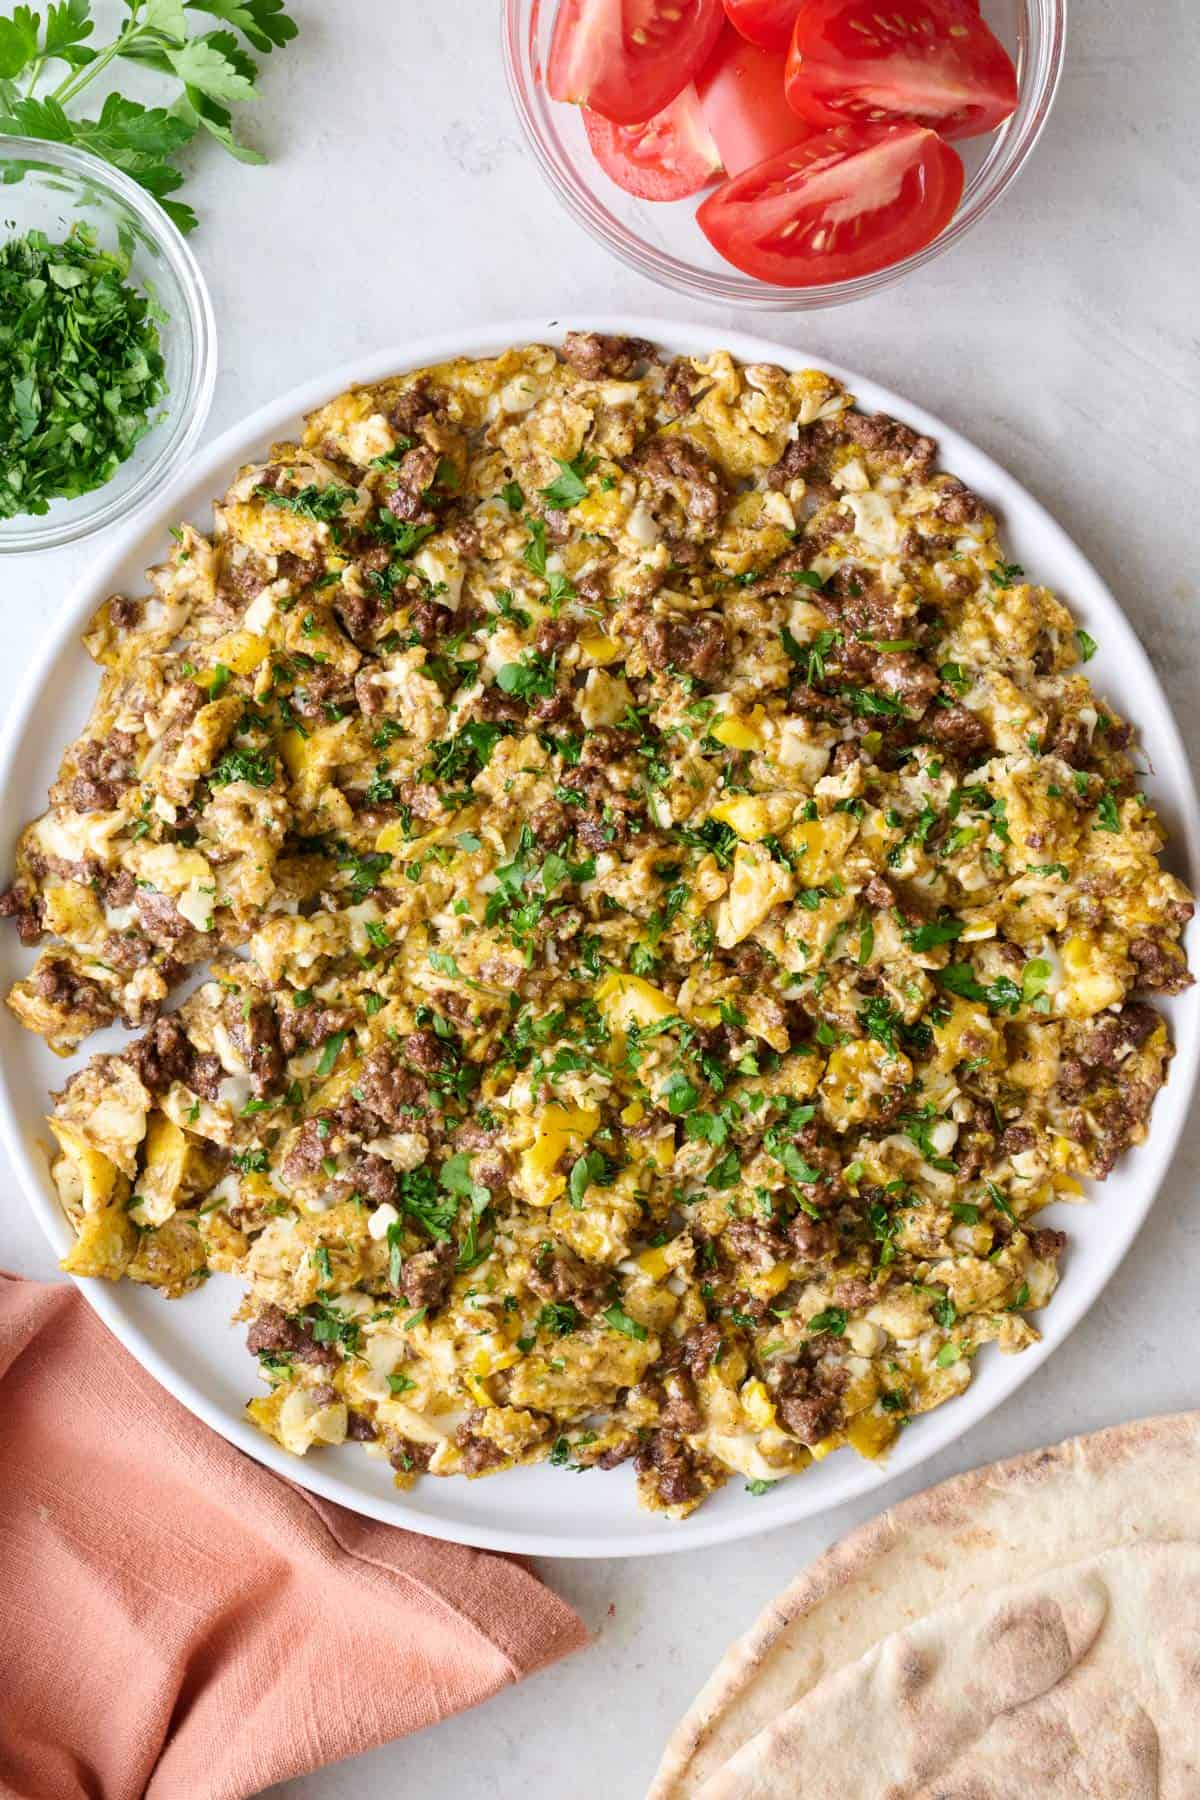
x=418, y=1195
x=879, y=1020
x=679, y=1093
x=456, y=1178
x=329, y=1055
x=530, y=679
x=832, y=1320
x=255, y=766
x=319, y=504
x=210, y=69
x=568, y=487
x=1107, y=816
x=1034, y=977
x=936, y=931
x=263, y=22
x=616, y=1316
x=1001, y=995
x=593, y=1167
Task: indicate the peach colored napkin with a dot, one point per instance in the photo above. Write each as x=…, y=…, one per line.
x=177, y=1622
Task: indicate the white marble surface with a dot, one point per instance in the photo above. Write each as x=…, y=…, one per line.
x=1061, y=336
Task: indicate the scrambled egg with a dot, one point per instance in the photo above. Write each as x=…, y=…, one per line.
x=671, y=902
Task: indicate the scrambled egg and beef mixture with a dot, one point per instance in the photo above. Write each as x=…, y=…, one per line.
x=672, y=905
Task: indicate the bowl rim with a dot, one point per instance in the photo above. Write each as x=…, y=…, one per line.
x=1121, y=649
x=1021, y=131
x=188, y=408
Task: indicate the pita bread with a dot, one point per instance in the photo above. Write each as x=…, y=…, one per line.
x=1082, y=1684
x=1009, y=1524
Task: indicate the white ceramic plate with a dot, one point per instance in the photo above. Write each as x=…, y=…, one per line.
x=189, y=1345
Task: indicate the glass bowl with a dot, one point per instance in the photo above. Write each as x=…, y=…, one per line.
x=662, y=239
x=50, y=187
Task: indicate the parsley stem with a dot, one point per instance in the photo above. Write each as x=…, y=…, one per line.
x=78, y=79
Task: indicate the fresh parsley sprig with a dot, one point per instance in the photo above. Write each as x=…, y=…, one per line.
x=212, y=69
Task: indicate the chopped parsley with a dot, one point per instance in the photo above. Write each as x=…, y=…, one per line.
x=1001, y=995
x=254, y=766
x=530, y=679
x=933, y=933
x=568, y=487
x=832, y=1320
x=322, y=505
x=81, y=367
x=1107, y=816
x=592, y=1168
x=619, y=1320
x=330, y=1054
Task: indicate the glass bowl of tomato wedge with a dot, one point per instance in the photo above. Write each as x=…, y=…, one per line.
x=785, y=154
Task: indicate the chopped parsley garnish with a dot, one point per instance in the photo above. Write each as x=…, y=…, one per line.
x=726, y=1173
x=680, y=1093
x=1107, y=816
x=1034, y=977
x=592, y=1168
x=832, y=1320
x=559, y=1318
x=870, y=705
x=330, y=1053
x=619, y=1320
x=534, y=553
x=530, y=679
x=1001, y=995
x=999, y=1202
x=255, y=766
x=251, y=1162
x=879, y=1020
x=322, y=505
x=714, y=836
x=364, y=872
x=568, y=487
x=461, y=757
x=81, y=367
x=420, y=1196
x=933, y=933
x=918, y=1127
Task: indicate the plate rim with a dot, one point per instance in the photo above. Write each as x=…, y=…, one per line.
x=928, y=1435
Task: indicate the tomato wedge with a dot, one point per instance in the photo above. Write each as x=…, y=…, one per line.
x=668, y=158
x=627, y=59
x=844, y=203
x=745, y=107
x=765, y=22
x=933, y=62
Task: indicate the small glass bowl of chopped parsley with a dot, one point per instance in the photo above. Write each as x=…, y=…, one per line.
x=108, y=350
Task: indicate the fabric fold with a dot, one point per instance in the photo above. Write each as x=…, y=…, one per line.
x=181, y=1623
